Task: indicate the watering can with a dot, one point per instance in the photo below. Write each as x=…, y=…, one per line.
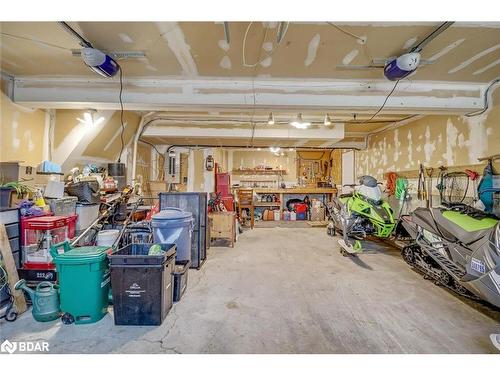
x=45, y=299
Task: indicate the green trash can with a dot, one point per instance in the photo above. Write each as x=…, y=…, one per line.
x=84, y=278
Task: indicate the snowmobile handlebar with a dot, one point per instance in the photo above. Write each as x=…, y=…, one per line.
x=354, y=185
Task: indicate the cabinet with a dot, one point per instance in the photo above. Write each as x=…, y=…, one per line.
x=223, y=184
x=223, y=225
x=10, y=218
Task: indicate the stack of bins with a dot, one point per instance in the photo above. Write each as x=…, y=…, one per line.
x=197, y=204
x=142, y=284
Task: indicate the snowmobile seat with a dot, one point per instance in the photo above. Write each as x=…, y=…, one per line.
x=464, y=227
x=425, y=218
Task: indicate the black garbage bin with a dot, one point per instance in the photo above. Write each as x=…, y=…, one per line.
x=142, y=284
x=181, y=269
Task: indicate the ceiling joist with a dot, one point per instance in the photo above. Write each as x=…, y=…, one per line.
x=264, y=94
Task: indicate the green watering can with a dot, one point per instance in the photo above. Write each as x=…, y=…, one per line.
x=45, y=299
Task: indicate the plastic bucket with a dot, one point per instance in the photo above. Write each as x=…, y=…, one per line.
x=107, y=237
x=175, y=226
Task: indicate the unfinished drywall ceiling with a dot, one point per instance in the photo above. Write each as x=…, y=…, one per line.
x=194, y=75
x=308, y=49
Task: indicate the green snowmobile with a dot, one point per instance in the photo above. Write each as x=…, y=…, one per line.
x=360, y=213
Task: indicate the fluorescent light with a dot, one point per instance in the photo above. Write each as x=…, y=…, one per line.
x=291, y=149
x=327, y=121
x=89, y=118
x=270, y=120
x=274, y=149
x=299, y=123
x=98, y=121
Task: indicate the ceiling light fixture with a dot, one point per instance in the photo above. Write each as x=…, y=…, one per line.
x=327, y=121
x=299, y=123
x=274, y=150
x=270, y=120
x=89, y=118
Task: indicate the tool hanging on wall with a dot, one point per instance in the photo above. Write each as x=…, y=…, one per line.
x=391, y=182
x=473, y=176
x=429, y=172
x=421, y=188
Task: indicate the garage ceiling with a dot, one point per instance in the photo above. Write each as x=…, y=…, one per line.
x=465, y=52
x=190, y=71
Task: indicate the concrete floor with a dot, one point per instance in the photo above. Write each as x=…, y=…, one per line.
x=288, y=290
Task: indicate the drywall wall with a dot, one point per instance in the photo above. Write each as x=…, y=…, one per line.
x=348, y=163
x=21, y=131
x=433, y=141
x=198, y=166
x=252, y=159
x=77, y=143
x=221, y=157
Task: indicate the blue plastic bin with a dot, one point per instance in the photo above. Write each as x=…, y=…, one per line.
x=174, y=226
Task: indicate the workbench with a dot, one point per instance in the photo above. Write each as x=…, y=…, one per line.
x=324, y=194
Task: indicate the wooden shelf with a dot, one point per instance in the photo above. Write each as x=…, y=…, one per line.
x=260, y=171
x=50, y=173
x=267, y=204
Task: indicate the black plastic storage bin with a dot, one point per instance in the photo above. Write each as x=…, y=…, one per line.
x=197, y=204
x=142, y=284
x=181, y=269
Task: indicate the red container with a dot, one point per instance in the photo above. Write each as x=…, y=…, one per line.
x=72, y=226
x=228, y=202
x=223, y=184
x=301, y=208
x=38, y=234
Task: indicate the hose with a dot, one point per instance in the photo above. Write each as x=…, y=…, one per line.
x=391, y=182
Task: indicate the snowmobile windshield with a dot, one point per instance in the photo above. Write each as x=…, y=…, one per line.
x=368, y=181
x=372, y=193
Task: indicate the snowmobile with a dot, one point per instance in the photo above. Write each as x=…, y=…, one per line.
x=358, y=214
x=458, y=247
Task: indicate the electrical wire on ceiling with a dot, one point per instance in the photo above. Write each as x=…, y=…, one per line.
x=268, y=54
x=383, y=104
x=41, y=42
x=152, y=146
x=121, y=113
x=366, y=51
x=486, y=100
x=347, y=32
x=255, y=67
